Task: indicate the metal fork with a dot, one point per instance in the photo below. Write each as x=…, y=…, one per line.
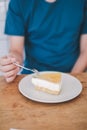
x=32, y=70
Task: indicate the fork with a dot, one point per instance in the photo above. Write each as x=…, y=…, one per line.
x=32, y=70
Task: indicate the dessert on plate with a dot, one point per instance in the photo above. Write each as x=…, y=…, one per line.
x=49, y=82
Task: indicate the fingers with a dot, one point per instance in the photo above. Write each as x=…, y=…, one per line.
x=7, y=68
x=10, y=76
x=6, y=64
x=6, y=61
x=10, y=79
x=11, y=73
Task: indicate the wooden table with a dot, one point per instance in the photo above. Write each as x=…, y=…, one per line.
x=16, y=111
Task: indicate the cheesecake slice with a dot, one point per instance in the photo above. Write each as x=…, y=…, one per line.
x=48, y=82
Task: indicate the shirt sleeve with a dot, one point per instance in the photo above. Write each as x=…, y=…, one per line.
x=14, y=21
x=84, y=25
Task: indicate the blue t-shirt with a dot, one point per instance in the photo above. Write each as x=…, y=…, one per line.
x=52, y=31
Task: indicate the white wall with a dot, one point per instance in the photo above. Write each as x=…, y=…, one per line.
x=4, y=45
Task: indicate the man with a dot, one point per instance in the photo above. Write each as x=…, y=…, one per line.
x=53, y=33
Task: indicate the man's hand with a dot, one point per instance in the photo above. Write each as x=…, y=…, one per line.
x=7, y=67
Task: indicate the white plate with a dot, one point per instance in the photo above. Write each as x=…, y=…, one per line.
x=71, y=88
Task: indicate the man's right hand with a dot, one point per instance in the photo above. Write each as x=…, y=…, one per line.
x=8, y=69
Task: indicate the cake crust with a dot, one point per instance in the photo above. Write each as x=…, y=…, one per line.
x=47, y=90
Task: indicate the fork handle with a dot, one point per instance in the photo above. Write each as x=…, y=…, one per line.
x=24, y=67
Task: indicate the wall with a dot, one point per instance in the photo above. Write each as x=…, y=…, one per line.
x=3, y=38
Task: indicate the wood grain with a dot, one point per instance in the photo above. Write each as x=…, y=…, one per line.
x=16, y=111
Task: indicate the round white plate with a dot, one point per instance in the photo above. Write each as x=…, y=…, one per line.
x=71, y=88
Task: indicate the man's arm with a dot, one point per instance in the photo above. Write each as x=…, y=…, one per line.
x=81, y=63
x=17, y=47
x=15, y=55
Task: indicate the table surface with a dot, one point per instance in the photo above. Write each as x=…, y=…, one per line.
x=16, y=111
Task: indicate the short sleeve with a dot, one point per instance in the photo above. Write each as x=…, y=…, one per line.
x=84, y=25
x=14, y=21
